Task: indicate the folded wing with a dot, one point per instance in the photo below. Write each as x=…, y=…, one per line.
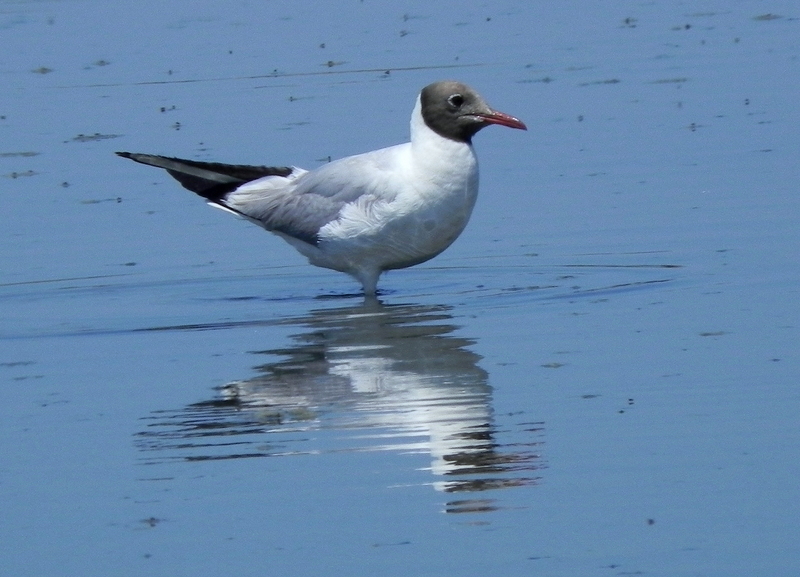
x=287, y=200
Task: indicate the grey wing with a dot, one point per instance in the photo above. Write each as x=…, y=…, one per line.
x=298, y=216
x=350, y=178
x=302, y=203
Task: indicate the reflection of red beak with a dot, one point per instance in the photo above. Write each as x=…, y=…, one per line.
x=503, y=119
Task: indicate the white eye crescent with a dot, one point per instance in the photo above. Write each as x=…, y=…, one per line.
x=455, y=100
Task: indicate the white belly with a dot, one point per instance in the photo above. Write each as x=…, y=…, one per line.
x=403, y=232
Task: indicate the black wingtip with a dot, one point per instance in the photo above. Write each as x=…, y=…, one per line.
x=211, y=180
x=134, y=156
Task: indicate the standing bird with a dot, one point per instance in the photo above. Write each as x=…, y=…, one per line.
x=364, y=214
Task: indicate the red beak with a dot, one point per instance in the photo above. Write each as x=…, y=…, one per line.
x=503, y=119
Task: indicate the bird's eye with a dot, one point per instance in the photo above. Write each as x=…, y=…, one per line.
x=455, y=101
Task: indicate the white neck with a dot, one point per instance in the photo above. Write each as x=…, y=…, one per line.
x=440, y=156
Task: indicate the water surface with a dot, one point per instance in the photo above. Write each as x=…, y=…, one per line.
x=598, y=378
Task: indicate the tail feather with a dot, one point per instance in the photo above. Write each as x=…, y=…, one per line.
x=211, y=180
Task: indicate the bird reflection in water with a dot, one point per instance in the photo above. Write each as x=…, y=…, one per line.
x=366, y=378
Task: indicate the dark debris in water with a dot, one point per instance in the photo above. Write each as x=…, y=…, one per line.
x=599, y=82
x=670, y=81
x=151, y=521
x=391, y=544
x=543, y=80
x=24, y=154
x=93, y=137
x=10, y=364
x=100, y=200
x=21, y=174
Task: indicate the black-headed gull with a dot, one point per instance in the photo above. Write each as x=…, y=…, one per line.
x=364, y=214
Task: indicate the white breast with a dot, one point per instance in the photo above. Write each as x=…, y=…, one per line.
x=418, y=206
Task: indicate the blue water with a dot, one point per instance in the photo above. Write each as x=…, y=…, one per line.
x=598, y=378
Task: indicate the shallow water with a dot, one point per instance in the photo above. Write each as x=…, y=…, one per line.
x=598, y=378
